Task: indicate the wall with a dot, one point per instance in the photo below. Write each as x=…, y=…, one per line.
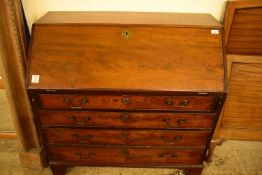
x=34, y=9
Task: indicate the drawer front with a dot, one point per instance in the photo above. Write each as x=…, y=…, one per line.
x=178, y=103
x=125, y=119
x=126, y=137
x=118, y=156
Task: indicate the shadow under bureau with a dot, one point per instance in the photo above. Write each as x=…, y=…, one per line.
x=126, y=89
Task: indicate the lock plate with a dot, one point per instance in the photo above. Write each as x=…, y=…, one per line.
x=126, y=34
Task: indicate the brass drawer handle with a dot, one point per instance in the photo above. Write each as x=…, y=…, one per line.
x=182, y=104
x=178, y=122
x=125, y=100
x=169, y=101
x=126, y=153
x=68, y=100
x=71, y=117
x=174, y=141
x=79, y=122
x=125, y=117
x=172, y=155
x=82, y=156
x=77, y=137
x=83, y=101
x=167, y=121
x=84, y=120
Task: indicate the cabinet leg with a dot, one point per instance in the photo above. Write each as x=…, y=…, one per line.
x=212, y=146
x=58, y=169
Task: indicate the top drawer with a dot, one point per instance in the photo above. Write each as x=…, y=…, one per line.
x=125, y=102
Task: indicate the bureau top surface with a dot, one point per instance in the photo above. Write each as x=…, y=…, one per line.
x=130, y=18
x=124, y=57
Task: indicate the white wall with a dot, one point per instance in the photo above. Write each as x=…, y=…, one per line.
x=36, y=8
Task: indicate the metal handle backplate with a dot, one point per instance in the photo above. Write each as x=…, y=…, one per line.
x=178, y=122
x=171, y=155
x=69, y=100
x=79, y=122
x=173, y=141
x=83, y=156
x=181, y=104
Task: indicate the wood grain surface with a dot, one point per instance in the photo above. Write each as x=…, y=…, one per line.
x=118, y=102
x=243, y=107
x=125, y=119
x=155, y=58
x=126, y=156
x=126, y=137
x=241, y=133
x=130, y=18
x=246, y=32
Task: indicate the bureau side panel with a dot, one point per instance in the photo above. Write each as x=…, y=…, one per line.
x=243, y=107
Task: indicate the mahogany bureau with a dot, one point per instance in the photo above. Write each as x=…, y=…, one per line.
x=126, y=89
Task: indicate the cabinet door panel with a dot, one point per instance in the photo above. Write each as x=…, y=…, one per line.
x=243, y=107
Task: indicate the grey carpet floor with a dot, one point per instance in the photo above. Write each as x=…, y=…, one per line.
x=232, y=158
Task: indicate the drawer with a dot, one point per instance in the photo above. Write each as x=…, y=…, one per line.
x=178, y=103
x=125, y=119
x=126, y=137
x=126, y=156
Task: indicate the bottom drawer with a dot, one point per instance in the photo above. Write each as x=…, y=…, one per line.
x=126, y=156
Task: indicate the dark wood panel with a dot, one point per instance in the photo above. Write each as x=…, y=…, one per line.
x=131, y=18
x=126, y=137
x=124, y=156
x=243, y=107
x=82, y=101
x=155, y=58
x=126, y=119
x=246, y=32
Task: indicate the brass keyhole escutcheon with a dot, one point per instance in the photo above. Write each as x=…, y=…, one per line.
x=125, y=100
x=126, y=34
x=125, y=133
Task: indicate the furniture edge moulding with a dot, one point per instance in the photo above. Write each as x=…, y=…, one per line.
x=13, y=60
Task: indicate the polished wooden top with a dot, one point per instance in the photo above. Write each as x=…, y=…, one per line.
x=130, y=18
x=102, y=57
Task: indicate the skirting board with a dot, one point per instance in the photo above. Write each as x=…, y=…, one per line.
x=8, y=135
